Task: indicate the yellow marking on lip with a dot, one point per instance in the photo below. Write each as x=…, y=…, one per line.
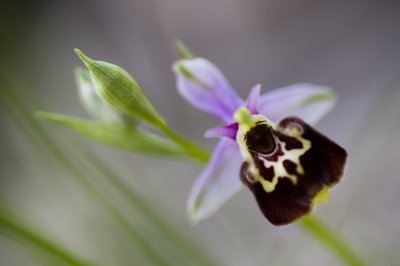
x=322, y=196
x=246, y=121
x=279, y=169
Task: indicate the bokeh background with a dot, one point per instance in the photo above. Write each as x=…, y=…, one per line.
x=351, y=46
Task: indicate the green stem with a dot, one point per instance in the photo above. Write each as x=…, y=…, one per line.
x=10, y=225
x=194, y=151
x=321, y=232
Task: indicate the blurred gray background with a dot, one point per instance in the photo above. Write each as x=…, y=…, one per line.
x=351, y=46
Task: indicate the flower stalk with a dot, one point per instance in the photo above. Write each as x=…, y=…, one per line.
x=331, y=240
x=193, y=150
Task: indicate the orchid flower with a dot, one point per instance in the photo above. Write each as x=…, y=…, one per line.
x=267, y=143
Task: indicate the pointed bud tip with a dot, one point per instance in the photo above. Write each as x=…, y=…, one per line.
x=257, y=88
x=182, y=50
x=38, y=114
x=42, y=115
x=86, y=60
x=194, y=219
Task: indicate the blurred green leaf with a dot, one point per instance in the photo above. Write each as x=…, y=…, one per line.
x=117, y=135
x=16, y=227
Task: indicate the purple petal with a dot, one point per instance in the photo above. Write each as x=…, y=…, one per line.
x=205, y=87
x=217, y=183
x=252, y=102
x=306, y=101
x=228, y=131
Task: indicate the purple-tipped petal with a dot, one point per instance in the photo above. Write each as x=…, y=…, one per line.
x=253, y=100
x=306, y=101
x=227, y=131
x=204, y=86
x=217, y=183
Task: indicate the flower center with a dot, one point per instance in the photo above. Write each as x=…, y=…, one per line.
x=256, y=132
x=260, y=139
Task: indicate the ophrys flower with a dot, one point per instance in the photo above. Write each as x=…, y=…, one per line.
x=266, y=143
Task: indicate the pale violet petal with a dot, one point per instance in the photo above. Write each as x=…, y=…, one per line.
x=217, y=183
x=227, y=131
x=253, y=100
x=205, y=87
x=307, y=101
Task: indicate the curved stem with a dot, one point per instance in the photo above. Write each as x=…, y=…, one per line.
x=321, y=232
x=194, y=151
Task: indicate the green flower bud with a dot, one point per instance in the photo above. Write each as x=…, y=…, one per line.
x=121, y=91
x=94, y=104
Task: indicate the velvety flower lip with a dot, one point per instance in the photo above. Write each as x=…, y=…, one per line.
x=234, y=161
x=289, y=167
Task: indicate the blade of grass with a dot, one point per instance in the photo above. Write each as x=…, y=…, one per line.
x=13, y=225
